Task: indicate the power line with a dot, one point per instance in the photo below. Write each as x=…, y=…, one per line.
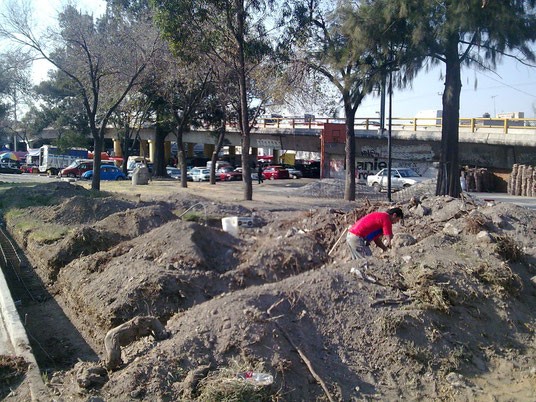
x=506, y=85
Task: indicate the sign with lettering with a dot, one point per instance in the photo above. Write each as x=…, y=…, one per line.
x=268, y=143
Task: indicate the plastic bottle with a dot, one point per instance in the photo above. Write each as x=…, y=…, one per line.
x=256, y=378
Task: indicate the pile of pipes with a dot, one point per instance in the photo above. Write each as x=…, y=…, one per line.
x=479, y=180
x=522, y=181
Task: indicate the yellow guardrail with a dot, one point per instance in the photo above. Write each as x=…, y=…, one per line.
x=414, y=123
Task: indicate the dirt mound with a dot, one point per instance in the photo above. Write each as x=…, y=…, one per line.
x=81, y=210
x=166, y=270
x=362, y=339
x=40, y=194
x=103, y=235
x=450, y=303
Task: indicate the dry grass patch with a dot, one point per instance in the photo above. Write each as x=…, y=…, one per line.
x=508, y=249
x=11, y=369
x=501, y=278
x=224, y=385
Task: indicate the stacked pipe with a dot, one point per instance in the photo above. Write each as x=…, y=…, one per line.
x=479, y=180
x=522, y=181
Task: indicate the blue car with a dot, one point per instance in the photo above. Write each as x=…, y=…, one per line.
x=106, y=173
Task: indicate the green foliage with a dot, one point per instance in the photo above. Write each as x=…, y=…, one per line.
x=70, y=140
x=457, y=33
x=13, y=200
x=42, y=233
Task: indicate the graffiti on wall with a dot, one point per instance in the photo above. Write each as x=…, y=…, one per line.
x=422, y=152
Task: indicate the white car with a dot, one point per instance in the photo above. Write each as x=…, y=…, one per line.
x=400, y=178
x=201, y=174
x=174, y=173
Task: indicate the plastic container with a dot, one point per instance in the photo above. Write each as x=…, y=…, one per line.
x=230, y=225
x=256, y=378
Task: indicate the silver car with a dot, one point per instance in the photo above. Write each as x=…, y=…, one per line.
x=400, y=178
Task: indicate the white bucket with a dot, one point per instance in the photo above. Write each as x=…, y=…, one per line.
x=230, y=225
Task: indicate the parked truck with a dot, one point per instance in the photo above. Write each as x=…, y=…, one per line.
x=52, y=162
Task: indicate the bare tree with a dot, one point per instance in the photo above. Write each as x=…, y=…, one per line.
x=103, y=58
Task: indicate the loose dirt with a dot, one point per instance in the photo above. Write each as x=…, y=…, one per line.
x=448, y=313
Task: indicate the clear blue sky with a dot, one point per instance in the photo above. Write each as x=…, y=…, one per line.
x=512, y=88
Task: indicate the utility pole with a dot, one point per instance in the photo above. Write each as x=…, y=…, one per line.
x=494, y=109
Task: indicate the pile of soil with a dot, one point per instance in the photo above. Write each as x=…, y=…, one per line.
x=447, y=312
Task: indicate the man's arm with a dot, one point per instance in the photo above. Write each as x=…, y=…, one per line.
x=380, y=244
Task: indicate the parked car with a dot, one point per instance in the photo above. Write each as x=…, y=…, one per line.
x=400, y=178
x=106, y=173
x=200, y=174
x=275, y=172
x=254, y=175
x=6, y=168
x=294, y=173
x=29, y=169
x=227, y=173
x=80, y=166
x=174, y=173
x=308, y=168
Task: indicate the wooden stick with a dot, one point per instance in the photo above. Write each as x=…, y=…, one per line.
x=300, y=352
x=337, y=242
x=390, y=301
x=306, y=361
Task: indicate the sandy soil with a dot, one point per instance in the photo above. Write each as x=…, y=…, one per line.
x=448, y=313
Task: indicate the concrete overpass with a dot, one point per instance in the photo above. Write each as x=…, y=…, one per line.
x=492, y=143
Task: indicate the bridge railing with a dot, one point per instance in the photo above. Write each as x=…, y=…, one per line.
x=398, y=123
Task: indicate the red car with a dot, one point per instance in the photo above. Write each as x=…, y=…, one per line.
x=227, y=173
x=29, y=169
x=275, y=172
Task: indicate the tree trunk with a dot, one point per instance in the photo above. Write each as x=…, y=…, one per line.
x=448, y=180
x=181, y=158
x=159, y=164
x=217, y=149
x=97, y=149
x=349, y=148
x=244, y=120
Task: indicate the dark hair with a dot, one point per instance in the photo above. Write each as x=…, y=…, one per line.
x=396, y=211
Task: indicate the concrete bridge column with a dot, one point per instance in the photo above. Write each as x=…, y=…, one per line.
x=232, y=154
x=208, y=150
x=117, y=151
x=143, y=148
x=152, y=150
x=275, y=159
x=190, y=150
x=167, y=151
x=254, y=152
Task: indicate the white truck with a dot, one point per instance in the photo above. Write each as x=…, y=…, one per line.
x=52, y=162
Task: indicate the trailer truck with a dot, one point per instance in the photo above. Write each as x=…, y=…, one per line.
x=51, y=161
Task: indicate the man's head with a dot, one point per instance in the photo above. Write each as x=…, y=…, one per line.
x=395, y=214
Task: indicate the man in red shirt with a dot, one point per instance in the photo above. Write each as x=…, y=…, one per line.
x=372, y=227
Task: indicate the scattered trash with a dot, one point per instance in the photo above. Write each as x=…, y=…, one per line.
x=256, y=378
x=231, y=224
x=362, y=276
x=357, y=273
